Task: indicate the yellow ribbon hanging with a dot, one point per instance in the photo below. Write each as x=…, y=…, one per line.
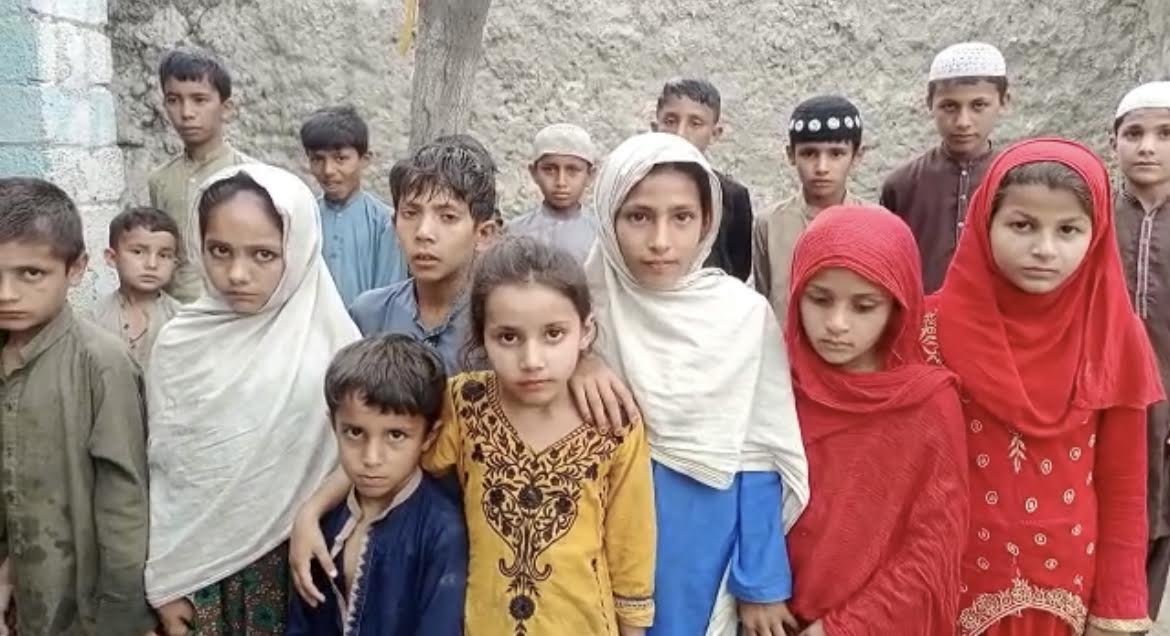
x=406, y=36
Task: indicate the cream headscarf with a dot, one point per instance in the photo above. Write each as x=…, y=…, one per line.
x=705, y=360
x=238, y=428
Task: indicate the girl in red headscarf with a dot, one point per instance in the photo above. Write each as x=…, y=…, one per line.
x=878, y=549
x=1056, y=374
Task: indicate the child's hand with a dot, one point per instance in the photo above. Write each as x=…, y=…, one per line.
x=766, y=619
x=601, y=396
x=816, y=629
x=176, y=617
x=305, y=545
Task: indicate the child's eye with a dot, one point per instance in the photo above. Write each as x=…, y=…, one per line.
x=1020, y=226
x=684, y=217
x=266, y=256
x=637, y=217
x=408, y=213
x=167, y=255
x=32, y=274
x=820, y=301
x=396, y=435
x=450, y=218
x=352, y=432
x=554, y=333
x=507, y=338
x=864, y=308
x=138, y=251
x=218, y=251
x=1164, y=133
x=1070, y=229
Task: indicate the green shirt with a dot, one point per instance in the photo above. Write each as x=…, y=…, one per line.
x=73, y=515
x=172, y=190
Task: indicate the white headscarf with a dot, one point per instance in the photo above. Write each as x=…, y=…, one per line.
x=238, y=428
x=705, y=360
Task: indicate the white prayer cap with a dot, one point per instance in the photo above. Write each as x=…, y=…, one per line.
x=969, y=59
x=564, y=139
x=1152, y=95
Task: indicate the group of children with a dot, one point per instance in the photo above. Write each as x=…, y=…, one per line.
x=656, y=413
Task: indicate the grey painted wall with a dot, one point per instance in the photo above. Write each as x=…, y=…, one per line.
x=599, y=63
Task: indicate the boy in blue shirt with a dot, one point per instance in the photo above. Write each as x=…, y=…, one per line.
x=397, y=541
x=357, y=241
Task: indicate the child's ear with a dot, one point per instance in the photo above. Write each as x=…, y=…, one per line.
x=432, y=435
x=366, y=159
x=716, y=133
x=790, y=152
x=859, y=154
x=229, y=109
x=486, y=234
x=588, y=333
x=110, y=255
x=654, y=125
x=77, y=269
x=532, y=170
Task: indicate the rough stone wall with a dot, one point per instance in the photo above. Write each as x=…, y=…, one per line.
x=57, y=113
x=600, y=63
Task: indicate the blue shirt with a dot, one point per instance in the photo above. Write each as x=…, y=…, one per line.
x=394, y=309
x=359, y=245
x=411, y=578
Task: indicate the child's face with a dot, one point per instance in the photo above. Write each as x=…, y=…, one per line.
x=562, y=179
x=823, y=167
x=379, y=451
x=243, y=252
x=1039, y=236
x=439, y=235
x=533, y=336
x=338, y=171
x=965, y=115
x=844, y=316
x=690, y=120
x=34, y=284
x=195, y=110
x=659, y=227
x=145, y=260
x=1143, y=147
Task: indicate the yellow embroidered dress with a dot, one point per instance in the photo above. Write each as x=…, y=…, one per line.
x=561, y=541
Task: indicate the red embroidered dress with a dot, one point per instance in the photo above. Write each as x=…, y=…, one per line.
x=877, y=550
x=1055, y=390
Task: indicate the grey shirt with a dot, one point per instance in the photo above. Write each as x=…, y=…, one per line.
x=394, y=309
x=573, y=231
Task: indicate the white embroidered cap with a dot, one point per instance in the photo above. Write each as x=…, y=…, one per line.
x=564, y=139
x=1151, y=95
x=969, y=59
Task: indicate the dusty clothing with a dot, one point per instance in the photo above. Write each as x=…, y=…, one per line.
x=774, y=235
x=172, y=189
x=931, y=194
x=732, y=251
x=574, y=231
x=73, y=475
x=107, y=314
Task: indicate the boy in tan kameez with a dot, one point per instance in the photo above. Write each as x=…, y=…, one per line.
x=824, y=144
x=73, y=506
x=144, y=246
x=197, y=97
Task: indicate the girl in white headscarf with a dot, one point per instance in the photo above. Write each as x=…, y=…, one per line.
x=705, y=359
x=238, y=431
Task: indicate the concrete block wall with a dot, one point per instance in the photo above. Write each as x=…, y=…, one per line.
x=58, y=114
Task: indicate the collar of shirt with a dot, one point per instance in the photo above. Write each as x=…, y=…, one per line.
x=47, y=337
x=562, y=215
x=220, y=152
x=1131, y=199
x=457, y=307
x=340, y=206
x=408, y=488
x=942, y=148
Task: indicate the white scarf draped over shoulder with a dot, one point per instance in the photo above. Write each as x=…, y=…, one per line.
x=705, y=359
x=238, y=432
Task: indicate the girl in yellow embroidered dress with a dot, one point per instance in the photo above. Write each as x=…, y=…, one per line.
x=560, y=516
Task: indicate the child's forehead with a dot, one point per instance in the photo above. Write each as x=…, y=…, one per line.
x=29, y=251
x=434, y=196
x=331, y=150
x=965, y=88
x=682, y=103
x=1145, y=117
x=198, y=85
x=143, y=234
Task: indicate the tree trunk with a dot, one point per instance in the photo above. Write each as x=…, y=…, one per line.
x=447, y=55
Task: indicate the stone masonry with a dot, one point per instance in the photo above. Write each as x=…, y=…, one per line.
x=57, y=116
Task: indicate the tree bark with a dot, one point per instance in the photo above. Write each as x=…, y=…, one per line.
x=448, y=52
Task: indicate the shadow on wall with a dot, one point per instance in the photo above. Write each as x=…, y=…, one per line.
x=548, y=62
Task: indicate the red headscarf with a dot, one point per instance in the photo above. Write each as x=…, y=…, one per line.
x=881, y=540
x=879, y=247
x=1040, y=361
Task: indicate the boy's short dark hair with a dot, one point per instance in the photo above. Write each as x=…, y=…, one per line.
x=335, y=128
x=466, y=173
x=193, y=65
x=36, y=211
x=394, y=374
x=1000, y=82
x=147, y=218
x=694, y=89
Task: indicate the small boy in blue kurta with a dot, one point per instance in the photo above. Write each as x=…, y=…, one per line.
x=398, y=542
x=357, y=238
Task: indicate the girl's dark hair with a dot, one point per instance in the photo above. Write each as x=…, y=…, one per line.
x=520, y=260
x=224, y=190
x=1052, y=174
x=697, y=174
